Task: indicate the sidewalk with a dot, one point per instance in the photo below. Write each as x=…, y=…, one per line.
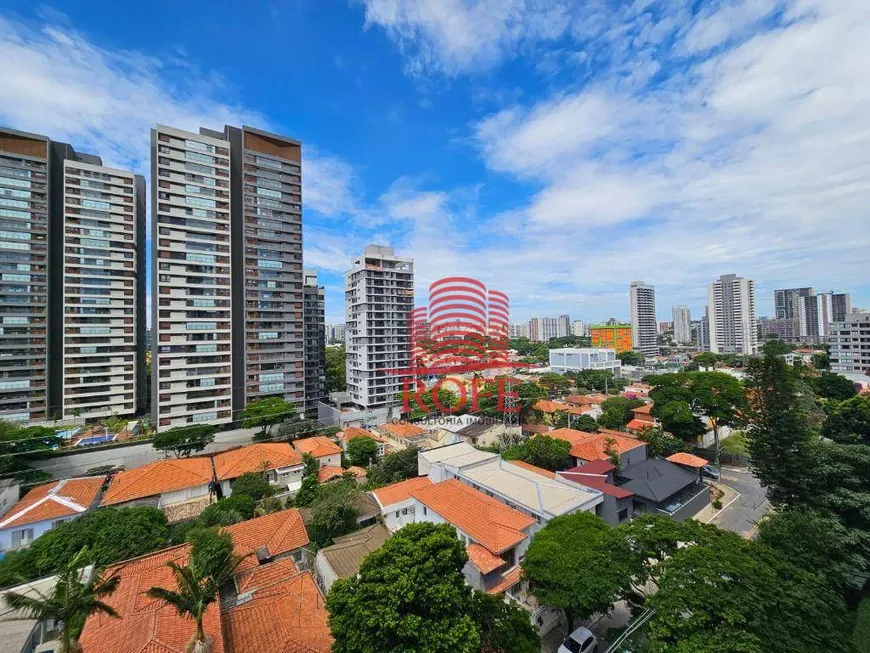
x=708, y=513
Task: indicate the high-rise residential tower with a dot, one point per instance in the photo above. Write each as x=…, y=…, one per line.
x=315, y=342
x=379, y=297
x=579, y=328
x=227, y=259
x=682, y=324
x=784, y=301
x=849, y=342
x=841, y=306
x=644, y=328
x=731, y=313
x=813, y=313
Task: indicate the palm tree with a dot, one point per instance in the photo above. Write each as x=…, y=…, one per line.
x=198, y=584
x=72, y=599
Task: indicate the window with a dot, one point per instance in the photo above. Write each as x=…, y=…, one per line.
x=22, y=538
x=623, y=514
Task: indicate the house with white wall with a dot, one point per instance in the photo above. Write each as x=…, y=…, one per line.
x=46, y=506
x=397, y=503
x=278, y=461
x=352, y=432
x=320, y=447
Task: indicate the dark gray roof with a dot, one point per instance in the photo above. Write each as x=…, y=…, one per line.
x=349, y=551
x=475, y=430
x=656, y=479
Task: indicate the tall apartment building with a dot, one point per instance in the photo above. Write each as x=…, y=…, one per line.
x=71, y=282
x=563, y=326
x=579, y=328
x=813, y=314
x=682, y=324
x=786, y=329
x=315, y=342
x=379, y=297
x=701, y=330
x=841, y=306
x=335, y=333
x=644, y=329
x=227, y=272
x=849, y=342
x=519, y=330
x=544, y=329
x=731, y=314
x=784, y=301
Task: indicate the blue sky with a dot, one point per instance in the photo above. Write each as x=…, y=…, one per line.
x=555, y=149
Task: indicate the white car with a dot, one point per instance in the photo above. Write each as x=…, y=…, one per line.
x=580, y=641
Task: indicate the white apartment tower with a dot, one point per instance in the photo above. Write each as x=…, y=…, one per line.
x=731, y=312
x=644, y=328
x=379, y=297
x=849, y=341
x=682, y=324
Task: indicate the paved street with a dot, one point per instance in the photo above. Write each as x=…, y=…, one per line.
x=742, y=516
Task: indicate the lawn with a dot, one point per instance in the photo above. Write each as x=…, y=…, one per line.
x=735, y=444
x=861, y=634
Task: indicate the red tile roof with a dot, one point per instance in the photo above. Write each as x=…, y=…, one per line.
x=402, y=429
x=261, y=575
x=533, y=468
x=318, y=446
x=592, y=446
x=55, y=500
x=258, y=457
x=486, y=520
x=329, y=472
x=147, y=625
x=594, y=467
x=401, y=491
x=535, y=428
x=639, y=425
x=596, y=482
x=510, y=579
x=280, y=532
x=157, y=478
x=483, y=559
x=547, y=406
x=284, y=616
x=586, y=400
x=643, y=410
x=687, y=459
x=352, y=432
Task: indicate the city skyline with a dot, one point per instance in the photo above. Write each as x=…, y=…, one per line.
x=476, y=146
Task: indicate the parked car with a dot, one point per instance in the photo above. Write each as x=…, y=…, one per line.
x=710, y=472
x=580, y=641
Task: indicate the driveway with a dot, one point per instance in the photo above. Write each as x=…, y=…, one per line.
x=742, y=516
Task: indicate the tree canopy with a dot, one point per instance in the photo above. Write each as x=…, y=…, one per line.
x=660, y=443
x=504, y=626
x=254, y=485
x=362, y=451
x=678, y=419
x=230, y=510
x=409, y=595
x=394, y=467
x=334, y=511
x=265, y=413
x=336, y=369
x=185, y=440
x=616, y=412
x=542, y=451
x=849, y=422
x=308, y=491
x=833, y=386
x=633, y=358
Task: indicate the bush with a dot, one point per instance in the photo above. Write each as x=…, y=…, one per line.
x=254, y=484
x=717, y=504
x=231, y=510
x=362, y=451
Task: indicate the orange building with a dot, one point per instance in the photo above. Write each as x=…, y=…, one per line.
x=616, y=337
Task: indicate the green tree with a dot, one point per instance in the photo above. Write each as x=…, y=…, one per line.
x=661, y=444
x=308, y=491
x=616, y=412
x=109, y=535
x=719, y=397
x=732, y=595
x=542, y=451
x=265, y=413
x=833, y=386
x=553, y=383
x=197, y=584
x=579, y=564
x=504, y=627
x=294, y=427
x=74, y=597
x=362, y=451
x=822, y=360
x=776, y=347
x=706, y=359
x=409, y=595
x=394, y=467
x=849, y=422
x=213, y=553
x=564, y=419
x=678, y=419
x=185, y=440
x=633, y=358
x=230, y=510
x=336, y=369
x=254, y=485
x=334, y=511
x=21, y=445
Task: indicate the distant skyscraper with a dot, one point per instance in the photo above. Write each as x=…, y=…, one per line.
x=784, y=301
x=335, y=333
x=644, y=329
x=579, y=328
x=841, y=306
x=315, y=354
x=703, y=333
x=543, y=329
x=731, y=312
x=519, y=330
x=813, y=313
x=563, y=326
x=682, y=324
x=849, y=342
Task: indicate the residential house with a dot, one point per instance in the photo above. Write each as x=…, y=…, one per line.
x=689, y=462
x=604, y=445
x=270, y=606
x=616, y=506
x=345, y=556
x=181, y=487
x=396, y=503
x=351, y=432
x=642, y=419
x=320, y=447
x=330, y=473
x=19, y=632
x=495, y=535
x=46, y=506
x=280, y=462
x=636, y=391
x=9, y=491
x=663, y=488
x=588, y=404
x=482, y=433
x=402, y=435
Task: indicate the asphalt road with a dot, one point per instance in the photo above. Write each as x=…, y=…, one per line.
x=742, y=516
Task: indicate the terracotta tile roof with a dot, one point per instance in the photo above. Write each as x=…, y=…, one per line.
x=157, y=478
x=258, y=457
x=55, y=500
x=643, y=410
x=535, y=428
x=280, y=532
x=329, y=472
x=591, y=446
x=594, y=467
x=261, y=575
x=318, y=446
x=639, y=425
x=401, y=491
x=596, y=482
x=586, y=400
x=402, y=429
x=359, y=472
x=533, y=468
x=687, y=459
x=147, y=625
x=286, y=616
x=352, y=432
x=547, y=406
x=507, y=581
x=486, y=520
x=483, y=559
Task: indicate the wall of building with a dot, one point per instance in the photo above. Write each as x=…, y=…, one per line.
x=177, y=496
